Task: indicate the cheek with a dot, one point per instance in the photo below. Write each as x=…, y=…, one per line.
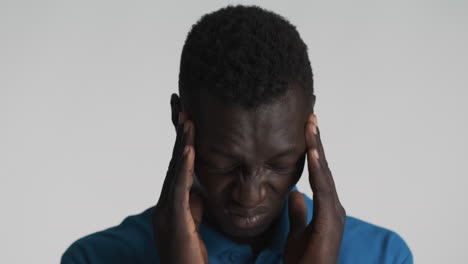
x=300, y=168
x=282, y=184
x=285, y=182
x=212, y=184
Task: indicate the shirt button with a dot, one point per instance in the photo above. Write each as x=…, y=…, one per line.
x=234, y=257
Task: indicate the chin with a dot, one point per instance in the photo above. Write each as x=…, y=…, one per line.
x=243, y=233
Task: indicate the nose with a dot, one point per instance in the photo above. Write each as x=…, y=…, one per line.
x=249, y=191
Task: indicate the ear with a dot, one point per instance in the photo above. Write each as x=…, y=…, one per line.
x=176, y=107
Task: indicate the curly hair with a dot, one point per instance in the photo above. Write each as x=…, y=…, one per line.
x=245, y=55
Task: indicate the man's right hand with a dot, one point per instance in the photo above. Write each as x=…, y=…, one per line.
x=178, y=213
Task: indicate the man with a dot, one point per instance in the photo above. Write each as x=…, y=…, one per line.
x=245, y=126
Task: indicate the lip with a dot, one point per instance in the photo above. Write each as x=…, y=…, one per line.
x=246, y=219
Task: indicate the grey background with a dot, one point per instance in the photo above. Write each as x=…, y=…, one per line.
x=85, y=133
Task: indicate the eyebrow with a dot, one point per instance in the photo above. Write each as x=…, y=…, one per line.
x=222, y=152
x=289, y=151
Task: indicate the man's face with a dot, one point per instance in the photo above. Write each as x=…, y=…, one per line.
x=247, y=161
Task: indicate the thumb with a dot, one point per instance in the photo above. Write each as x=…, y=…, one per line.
x=297, y=212
x=196, y=208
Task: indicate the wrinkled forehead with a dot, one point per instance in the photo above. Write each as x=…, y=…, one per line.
x=280, y=123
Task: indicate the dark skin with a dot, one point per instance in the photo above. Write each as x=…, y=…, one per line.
x=237, y=173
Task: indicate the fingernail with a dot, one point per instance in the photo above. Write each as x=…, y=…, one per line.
x=315, y=153
x=186, y=150
x=314, y=121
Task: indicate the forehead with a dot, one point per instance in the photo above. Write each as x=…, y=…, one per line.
x=268, y=128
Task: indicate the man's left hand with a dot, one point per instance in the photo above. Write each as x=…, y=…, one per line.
x=318, y=242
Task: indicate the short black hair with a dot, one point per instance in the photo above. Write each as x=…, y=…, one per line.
x=245, y=55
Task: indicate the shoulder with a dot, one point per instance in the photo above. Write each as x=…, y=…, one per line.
x=129, y=242
x=364, y=242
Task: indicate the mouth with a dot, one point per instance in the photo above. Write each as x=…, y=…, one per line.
x=246, y=220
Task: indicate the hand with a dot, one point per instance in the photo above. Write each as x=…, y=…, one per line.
x=319, y=242
x=178, y=214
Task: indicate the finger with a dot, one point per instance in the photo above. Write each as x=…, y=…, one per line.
x=178, y=145
x=324, y=164
x=316, y=177
x=297, y=212
x=183, y=178
x=323, y=161
x=196, y=208
x=189, y=138
x=190, y=135
x=176, y=156
x=321, y=152
x=181, y=132
x=320, y=178
x=317, y=141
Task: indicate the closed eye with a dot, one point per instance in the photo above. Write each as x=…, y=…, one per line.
x=223, y=170
x=212, y=168
x=281, y=169
x=216, y=166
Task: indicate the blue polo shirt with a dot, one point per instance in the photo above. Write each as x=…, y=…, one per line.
x=132, y=242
